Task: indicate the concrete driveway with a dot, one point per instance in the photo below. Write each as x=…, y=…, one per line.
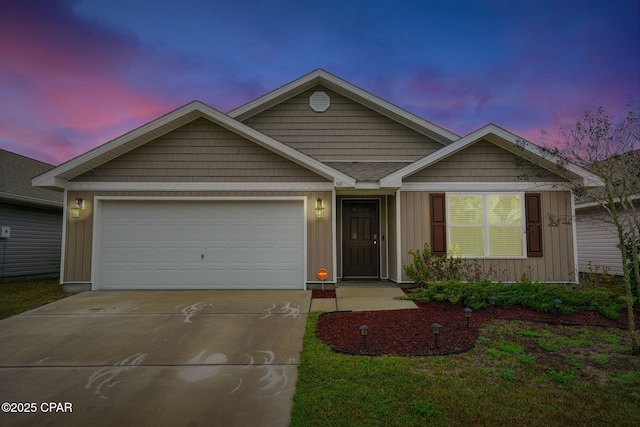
x=179, y=358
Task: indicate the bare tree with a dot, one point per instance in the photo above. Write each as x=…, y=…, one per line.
x=609, y=148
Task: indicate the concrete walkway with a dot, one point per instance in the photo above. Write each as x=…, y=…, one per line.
x=363, y=297
x=161, y=358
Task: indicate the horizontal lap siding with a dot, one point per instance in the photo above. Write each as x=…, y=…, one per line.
x=346, y=131
x=35, y=242
x=556, y=265
x=597, y=243
x=484, y=162
x=79, y=232
x=200, y=151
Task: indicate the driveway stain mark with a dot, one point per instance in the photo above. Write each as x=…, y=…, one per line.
x=207, y=366
x=105, y=377
x=287, y=309
x=273, y=376
x=191, y=310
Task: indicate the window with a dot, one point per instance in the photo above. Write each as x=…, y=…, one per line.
x=486, y=225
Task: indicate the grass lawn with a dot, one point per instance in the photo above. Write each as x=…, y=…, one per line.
x=519, y=373
x=17, y=296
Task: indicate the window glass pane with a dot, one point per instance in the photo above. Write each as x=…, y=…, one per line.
x=467, y=241
x=465, y=209
x=504, y=209
x=505, y=241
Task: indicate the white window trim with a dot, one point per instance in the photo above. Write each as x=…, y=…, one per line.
x=485, y=224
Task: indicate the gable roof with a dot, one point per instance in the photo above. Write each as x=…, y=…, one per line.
x=507, y=141
x=321, y=77
x=15, y=181
x=57, y=177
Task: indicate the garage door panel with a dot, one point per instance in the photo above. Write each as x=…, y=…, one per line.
x=210, y=244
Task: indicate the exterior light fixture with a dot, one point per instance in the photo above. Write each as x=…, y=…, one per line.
x=436, y=331
x=77, y=207
x=364, y=331
x=319, y=208
x=492, y=301
x=557, y=303
x=467, y=314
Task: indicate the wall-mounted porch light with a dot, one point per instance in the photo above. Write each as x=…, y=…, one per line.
x=77, y=207
x=319, y=208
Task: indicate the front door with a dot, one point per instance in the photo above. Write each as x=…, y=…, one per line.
x=360, y=239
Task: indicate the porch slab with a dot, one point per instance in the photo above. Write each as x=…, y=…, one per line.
x=370, y=299
x=323, y=304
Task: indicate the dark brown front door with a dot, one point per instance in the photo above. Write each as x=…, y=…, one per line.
x=360, y=239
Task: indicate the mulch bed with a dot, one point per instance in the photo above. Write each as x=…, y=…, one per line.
x=409, y=333
x=319, y=293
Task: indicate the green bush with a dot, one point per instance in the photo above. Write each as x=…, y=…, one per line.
x=427, y=267
x=532, y=295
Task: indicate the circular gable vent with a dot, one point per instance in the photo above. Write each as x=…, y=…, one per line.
x=319, y=102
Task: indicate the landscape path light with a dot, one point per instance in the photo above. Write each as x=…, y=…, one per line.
x=364, y=331
x=557, y=303
x=436, y=331
x=467, y=314
x=492, y=301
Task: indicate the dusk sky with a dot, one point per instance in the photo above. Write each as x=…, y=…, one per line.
x=75, y=74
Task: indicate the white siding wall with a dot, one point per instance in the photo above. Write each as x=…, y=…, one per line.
x=598, y=243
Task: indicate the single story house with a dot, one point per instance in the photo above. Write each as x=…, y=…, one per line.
x=30, y=219
x=597, y=237
x=318, y=174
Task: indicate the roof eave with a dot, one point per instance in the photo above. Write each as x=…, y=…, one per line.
x=508, y=141
x=57, y=178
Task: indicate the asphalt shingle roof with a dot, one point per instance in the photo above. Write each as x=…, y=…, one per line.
x=16, y=172
x=367, y=171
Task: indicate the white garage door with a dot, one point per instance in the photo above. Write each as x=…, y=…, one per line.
x=222, y=244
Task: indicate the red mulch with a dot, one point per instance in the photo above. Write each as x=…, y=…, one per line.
x=319, y=293
x=408, y=332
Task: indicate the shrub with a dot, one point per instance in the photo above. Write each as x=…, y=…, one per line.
x=427, y=267
x=532, y=295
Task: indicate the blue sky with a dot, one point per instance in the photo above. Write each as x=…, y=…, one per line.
x=75, y=74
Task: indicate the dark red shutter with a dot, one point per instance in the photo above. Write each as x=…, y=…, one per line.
x=438, y=224
x=534, y=224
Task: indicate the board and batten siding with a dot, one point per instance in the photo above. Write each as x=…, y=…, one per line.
x=35, y=242
x=484, y=162
x=556, y=265
x=200, y=151
x=79, y=232
x=346, y=131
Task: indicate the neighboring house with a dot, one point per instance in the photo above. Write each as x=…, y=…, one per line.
x=316, y=174
x=30, y=217
x=597, y=237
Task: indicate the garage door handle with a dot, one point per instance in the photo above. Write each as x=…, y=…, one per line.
x=202, y=256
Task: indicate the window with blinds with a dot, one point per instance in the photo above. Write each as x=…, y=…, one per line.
x=486, y=225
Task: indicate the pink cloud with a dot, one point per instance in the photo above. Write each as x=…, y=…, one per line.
x=69, y=88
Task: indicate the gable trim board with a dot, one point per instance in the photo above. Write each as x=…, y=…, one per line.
x=59, y=176
x=505, y=140
x=321, y=77
x=405, y=209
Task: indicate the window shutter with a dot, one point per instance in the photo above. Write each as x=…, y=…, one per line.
x=438, y=224
x=534, y=224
